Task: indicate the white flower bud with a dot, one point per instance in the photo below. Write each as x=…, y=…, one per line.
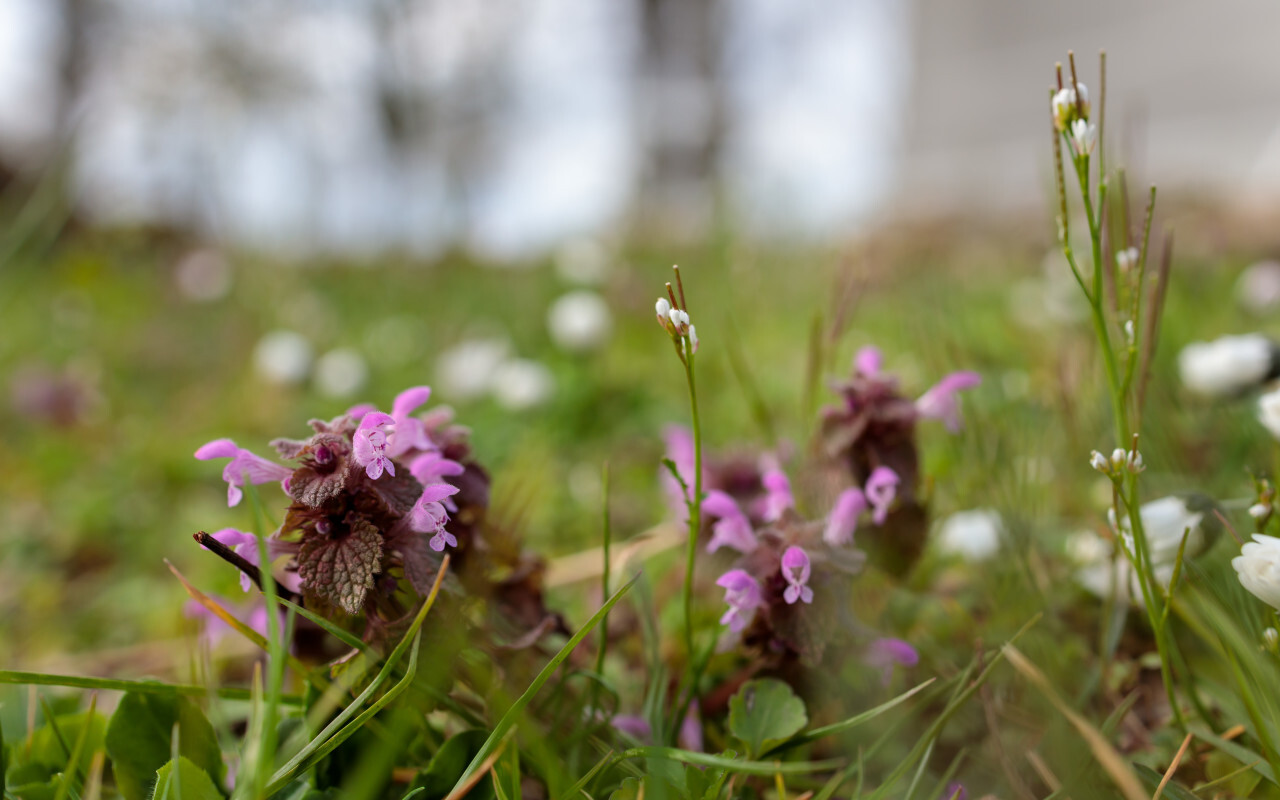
x=663, y=309
x=1271, y=639
x=693, y=339
x=1136, y=464
x=679, y=319
x=1099, y=462
x=1118, y=459
x=1269, y=412
x=1258, y=568
x=1083, y=136
x=1127, y=258
x=1259, y=510
x=1129, y=334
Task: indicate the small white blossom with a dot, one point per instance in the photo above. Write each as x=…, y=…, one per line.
x=1226, y=366
x=1136, y=464
x=1064, y=105
x=283, y=357
x=1129, y=333
x=522, y=383
x=1269, y=412
x=1258, y=568
x=1127, y=258
x=1118, y=459
x=1099, y=462
x=973, y=535
x=693, y=340
x=1084, y=136
x=580, y=321
x=679, y=319
x=1164, y=521
x=1259, y=510
x=1258, y=288
x=663, y=309
x=341, y=373
x=1271, y=639
x=465, y=371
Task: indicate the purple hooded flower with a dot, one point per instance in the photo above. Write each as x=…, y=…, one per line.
x=742, y=593
x=243, y=544
x=955, y=791
x=430, y=467
x=884, y=654
x=882, y=487
x=777, y=497
x=243, y=467
x=795, y=569
x=690, y=735
x=633, y=725
x=429, y=516
x=844, y=517
x=868, y=361
x=733, y=528
x=940, y=401
x=410, y=432
x=369, y=445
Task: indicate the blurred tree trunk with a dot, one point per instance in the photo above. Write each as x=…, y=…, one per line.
x=681, y=115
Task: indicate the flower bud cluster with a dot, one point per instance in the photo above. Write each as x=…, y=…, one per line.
x=1070, y=104
x=675, y=321
x=1120, y=462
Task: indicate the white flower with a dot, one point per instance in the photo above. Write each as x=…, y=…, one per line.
x=1164, y=521
x=663, y=310
x=1064, y=105
x=693, y=339
x=1271, y=639
x=466, y=370
x=521, y=383
x=341, y=373
x=1259, y=510
x=1129, y=332
x=1226, y=366
x=1258, y=288
x=1099, y=462
x=680, y=319
x=1127, y=258
x=1083, y=137
x=1269, y=412
x=583, y=260
x=1118, y=459
x=1258, y=567
x=973, y=535
x=580, y=321
x=283, y=357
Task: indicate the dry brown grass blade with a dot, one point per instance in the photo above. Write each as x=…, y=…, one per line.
x=1111, y=761
x=485, y=766
x=1042, y=769
x=1173, y=767
x=589, y=564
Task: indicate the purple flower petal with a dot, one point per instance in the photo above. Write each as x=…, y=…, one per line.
x=778, y=496
x=243, y=466
x=796, y=570
x=632, y=725
x=843, y=521
x=868, y=361
x=409, y=400
x=940, y=402
x=881, y=488
x=733, y=528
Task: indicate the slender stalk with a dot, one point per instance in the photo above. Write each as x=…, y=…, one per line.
x=695, y=510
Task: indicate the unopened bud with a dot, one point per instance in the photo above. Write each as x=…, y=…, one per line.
x=1259, y=510
x=663, y=309
x=1136, y=464
x=1118, y=459
x=1271, y=638
x=1127, y=259
x=693, y=339
x=1099, y=462
x=1128, y=332
x=680, y=320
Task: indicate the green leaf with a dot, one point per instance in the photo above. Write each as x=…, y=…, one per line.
x=49, y=749
x=190, y=782
x=448, y=764
x=628, y=790
x=765, y=713
x=1172, y=791
x=140, y=734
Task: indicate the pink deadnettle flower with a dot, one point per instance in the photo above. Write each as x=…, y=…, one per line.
x=244, y=467
x=885, y=654
x=742, y=593
x=868, y=361
x=881, y=488
x=410, y=432
x=369, y=445
x=428, y=515
x=778, y=497
x=844, y=517
x=430, y=467
x=732, y=528
x=795, y=569
x=940, y=401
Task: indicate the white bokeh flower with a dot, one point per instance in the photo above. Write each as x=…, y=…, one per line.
x=341, y=373
x=973, y=535
x=1258, y=288
x=1258, y=567
x=465, y=371
x=522, y=383
x=1269, y=412
x=580, y=321
x=1164, y=521
x=1226, y=366
x=283, y=357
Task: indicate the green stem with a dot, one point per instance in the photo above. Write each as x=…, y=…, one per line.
x=695, y=515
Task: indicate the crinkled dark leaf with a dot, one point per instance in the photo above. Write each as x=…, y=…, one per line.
x=396, y=493
x=314, y=488
x=340, y=571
